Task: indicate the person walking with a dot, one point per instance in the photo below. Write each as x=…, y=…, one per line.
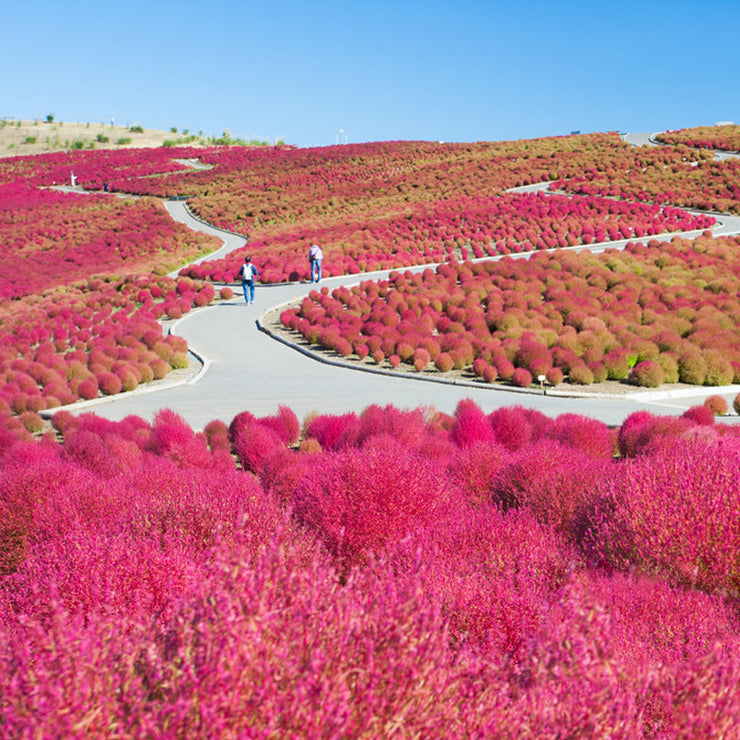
x=248, y=273
x=314, y=259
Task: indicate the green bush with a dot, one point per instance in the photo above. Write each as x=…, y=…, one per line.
x=669, y=367
x=599, y=371
x=692, y=368
x=32, y=421
x=102, y=138
x=616, y=365
x=646, y=350
x=648, y=374
x=719, y=370
x=179, y=361
x=123, y=141
x=136, y=129
x=29, y=140
x=77, y=145
x=580, y=375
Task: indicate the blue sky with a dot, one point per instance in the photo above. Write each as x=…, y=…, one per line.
x=376, y=70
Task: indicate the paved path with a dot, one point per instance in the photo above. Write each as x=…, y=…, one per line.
x=248, y=370
x=180, y=212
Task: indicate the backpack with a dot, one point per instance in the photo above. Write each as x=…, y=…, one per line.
x=247, y=272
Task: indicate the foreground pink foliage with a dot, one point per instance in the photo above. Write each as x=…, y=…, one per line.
x=674, y=512
x=360, y=501
x=150, y=584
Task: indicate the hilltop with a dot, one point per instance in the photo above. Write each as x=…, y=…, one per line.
x=22, y=137
x=19, y=137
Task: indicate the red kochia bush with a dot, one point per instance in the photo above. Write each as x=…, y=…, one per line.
x=406, y=427
x=588, y=435
x=521, y=378
x=361, y=500
x=471, y=425
x=172, y=438
x=285, y=424
x=109, y=383
x=702, y=415
x=556, y=481
x=475, y=468
x=643, y=433
x=554, y=376
x=510, y=427
x=475, y=562
x=106, y=455
x=333, y=432
x=253, y=445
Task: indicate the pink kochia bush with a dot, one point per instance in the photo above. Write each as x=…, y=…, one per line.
x=468, y=575
x=360, y=501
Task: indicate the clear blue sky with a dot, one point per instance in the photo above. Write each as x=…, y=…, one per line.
x=378, y=70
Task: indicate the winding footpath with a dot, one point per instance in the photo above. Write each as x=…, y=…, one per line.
x=246, y=369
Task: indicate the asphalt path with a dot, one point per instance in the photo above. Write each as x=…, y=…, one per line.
x=247, y=369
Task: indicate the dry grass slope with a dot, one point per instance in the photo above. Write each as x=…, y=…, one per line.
x=20, y=137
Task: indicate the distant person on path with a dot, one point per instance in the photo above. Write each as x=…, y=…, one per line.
x=314, y=258
x=248, y=273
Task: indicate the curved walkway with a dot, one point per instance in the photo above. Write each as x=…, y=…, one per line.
x=247, y=369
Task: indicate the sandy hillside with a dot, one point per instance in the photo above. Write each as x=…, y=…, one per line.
x=37, y=137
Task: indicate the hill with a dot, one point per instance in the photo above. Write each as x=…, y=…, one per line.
x=20, y=137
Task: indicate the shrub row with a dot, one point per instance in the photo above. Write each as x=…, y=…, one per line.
x=651, y=314
x=446, y=230
x=726, y=137
x=706, y=184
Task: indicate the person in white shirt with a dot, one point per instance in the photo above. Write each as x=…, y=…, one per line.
x=314, y=258
x=248, y=273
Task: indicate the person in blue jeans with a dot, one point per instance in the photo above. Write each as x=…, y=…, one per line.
x=248, y=273
x=314, y=258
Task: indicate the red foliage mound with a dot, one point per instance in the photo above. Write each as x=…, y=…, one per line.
x=672, y=511
x=362, y=500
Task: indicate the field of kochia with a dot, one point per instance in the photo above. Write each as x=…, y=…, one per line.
x=395, y=572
